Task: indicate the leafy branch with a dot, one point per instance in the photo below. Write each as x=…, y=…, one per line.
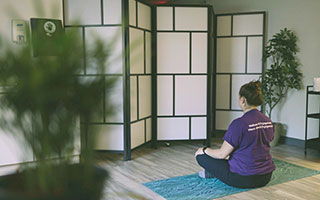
x=283, y=73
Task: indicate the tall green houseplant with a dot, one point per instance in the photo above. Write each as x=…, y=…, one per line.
x=283, y=73
x=46, y=96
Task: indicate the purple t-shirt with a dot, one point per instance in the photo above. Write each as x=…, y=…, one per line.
x=250, y=135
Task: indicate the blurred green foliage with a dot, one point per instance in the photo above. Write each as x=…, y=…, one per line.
x=44, y=98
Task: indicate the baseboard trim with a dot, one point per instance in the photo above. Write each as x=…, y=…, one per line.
x=311, y=143
x=291, y=141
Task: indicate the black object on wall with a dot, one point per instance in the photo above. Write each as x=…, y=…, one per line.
x=45, y=32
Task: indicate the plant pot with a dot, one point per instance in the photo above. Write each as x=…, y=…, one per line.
x=277, y=127
x=12, y=187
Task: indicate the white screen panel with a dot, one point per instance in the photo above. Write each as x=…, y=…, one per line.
x=173, y=52
x=198, y=128
x=187, y=18
x=191, y=95
x=237, y=82
x=148, y=52
x=313, y=127
x=165, y=95
x=255, y=49
x=115, y=96
x=144, y=96
x=313, y=103
x=11, y=169
x=223, y=92
x=137, y=134
x=132, y=13
x=313, y=124
x=223, y=25
x=113, y=39
x=231, y=55
x=224, y=118
x=248, y=24
x=97, y=115
x=13, y=147
x=136, y=51
x=148, y=129
x=13, y=150
x=199, y=52
x=77, y=139
x=86, y=12
x=164, y=18
x=79, y=33
x=144, y=16
x=133, y=98
x=108, y=137
x=173, y=128
x=112, y=11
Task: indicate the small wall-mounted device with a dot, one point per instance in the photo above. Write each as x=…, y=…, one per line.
x=45, y=33
x=19, y=31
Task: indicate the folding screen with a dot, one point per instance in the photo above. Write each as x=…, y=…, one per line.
x=239, y=49
x=125, y=25
x=103, y=19
x=180, y=87
x=140, y=73
x=184, y=72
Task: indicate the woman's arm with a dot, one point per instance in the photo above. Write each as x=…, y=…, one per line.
x=222, y=153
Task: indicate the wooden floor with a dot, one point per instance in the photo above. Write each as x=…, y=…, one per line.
x=147, y=164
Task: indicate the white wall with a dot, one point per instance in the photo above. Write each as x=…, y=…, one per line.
x=24, y=9
x=301, y=17
x=11, y=151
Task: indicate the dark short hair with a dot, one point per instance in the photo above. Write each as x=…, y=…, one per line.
x=252, y=92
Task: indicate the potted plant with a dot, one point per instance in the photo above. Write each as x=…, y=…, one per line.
x=283, y=73
x=45, y=97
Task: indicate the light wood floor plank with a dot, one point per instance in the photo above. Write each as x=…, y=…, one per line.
x=147, y=164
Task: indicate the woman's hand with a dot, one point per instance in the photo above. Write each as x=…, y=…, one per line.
x=199, y=151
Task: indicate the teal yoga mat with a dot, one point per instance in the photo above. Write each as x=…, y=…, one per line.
x=193, y=187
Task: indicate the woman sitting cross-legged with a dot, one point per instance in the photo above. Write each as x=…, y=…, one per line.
x=244, y=158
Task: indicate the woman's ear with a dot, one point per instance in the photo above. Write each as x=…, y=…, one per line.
x=243, y=100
